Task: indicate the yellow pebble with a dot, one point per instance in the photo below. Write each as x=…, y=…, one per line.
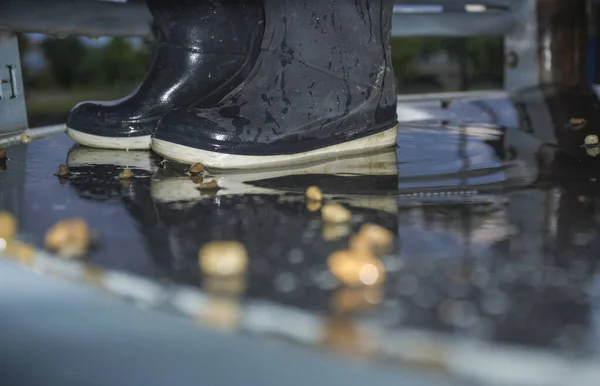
x=591, y=139
x=196, y=168
x=210, y=185
x=223, y=258
x=577, y=123
x=8, y=226
x=331, y=232
x=25, y=138
x=314, y=193
x=376, y=234
x=313, y=206
x=354, y=268
x=63, y=171
x=594, y=152
x=70, y=238
x=126, y=174
x=335, y=213
x=358, y=243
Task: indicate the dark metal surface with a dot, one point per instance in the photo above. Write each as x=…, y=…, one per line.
x=496, y=239
x=77, y=17
x=562, y=41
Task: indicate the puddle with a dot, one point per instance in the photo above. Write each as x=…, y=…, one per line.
x=495, y=239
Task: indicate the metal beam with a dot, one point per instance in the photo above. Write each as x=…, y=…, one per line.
x=459, y=24
x=76, y=17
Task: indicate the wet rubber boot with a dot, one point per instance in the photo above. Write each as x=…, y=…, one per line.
x=205, y=49
x=321, y=87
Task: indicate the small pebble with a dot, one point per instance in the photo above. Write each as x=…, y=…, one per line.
x=335, y=213
x=223, y=258
x=8, y=226
x=591, y=139
x=196, y=168
x=314, y=193
x=376, y=234
x=25, y=138
x=2, y=153
x=589, y=143
x=577, y=123
x=353, y=268
x=332, y=232
x=126, y=174
x=360, y=244
x=211, y=185
x=69, y=238
x=63, y=171
x=313, y=206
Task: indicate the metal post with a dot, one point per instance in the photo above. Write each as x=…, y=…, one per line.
x=562, y=41
x=547, y=44
x=13, y=115
x=520, y=47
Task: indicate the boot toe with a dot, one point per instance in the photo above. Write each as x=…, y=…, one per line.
x=98, y=125
x=91, y=117
x=105, y=120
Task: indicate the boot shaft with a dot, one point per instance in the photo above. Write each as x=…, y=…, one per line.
x=209, y=26
x=348, y=38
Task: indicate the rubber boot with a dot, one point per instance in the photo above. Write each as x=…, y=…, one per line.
x=321, y=87
x=205, y=49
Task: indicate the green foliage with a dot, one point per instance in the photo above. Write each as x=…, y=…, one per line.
x=64, y=58
x=71, y=64
x=484, y=57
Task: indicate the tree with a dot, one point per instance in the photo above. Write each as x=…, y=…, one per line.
x=64, y=58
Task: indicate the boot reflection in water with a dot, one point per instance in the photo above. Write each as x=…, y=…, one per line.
x=266, y=211
x=322, y=86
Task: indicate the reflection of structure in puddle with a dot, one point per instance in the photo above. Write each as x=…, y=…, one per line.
x=489, y=262
x=368, y=180
x=266, y=211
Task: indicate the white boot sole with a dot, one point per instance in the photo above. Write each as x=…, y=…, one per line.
x=190, y=155
x=117, y=143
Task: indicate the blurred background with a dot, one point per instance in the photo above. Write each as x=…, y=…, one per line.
x=60, y=71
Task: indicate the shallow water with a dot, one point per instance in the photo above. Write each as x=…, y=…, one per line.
x=490, y=244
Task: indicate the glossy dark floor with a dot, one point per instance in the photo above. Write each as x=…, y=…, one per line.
x=496, y=233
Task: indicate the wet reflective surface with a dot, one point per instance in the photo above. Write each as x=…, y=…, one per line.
x=496, y=233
